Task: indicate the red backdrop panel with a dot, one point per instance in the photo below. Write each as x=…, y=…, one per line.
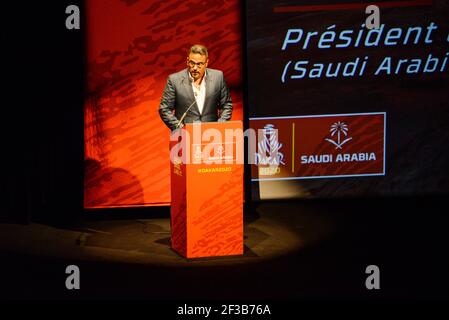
x=132, y=46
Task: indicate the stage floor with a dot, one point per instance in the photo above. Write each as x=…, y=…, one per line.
x=313, y=250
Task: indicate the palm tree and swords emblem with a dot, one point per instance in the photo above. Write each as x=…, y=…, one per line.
x=339, y=128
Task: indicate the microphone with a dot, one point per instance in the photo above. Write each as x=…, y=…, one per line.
x=185, y=114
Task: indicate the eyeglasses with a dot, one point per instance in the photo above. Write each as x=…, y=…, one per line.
x=193, y=64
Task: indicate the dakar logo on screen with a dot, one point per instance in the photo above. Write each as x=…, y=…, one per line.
x=269, y=157
x=338, y=138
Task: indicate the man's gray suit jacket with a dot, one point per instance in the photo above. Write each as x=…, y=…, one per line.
x=178, y=95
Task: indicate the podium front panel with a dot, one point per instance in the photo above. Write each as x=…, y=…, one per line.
x=213, y=193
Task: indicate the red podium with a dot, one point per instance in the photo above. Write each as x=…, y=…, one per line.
x=206, y=161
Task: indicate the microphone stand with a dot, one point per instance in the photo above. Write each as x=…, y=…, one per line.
x=187, y=111
x=185, y=114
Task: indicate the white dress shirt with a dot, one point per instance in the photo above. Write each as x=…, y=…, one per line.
x=199, y=93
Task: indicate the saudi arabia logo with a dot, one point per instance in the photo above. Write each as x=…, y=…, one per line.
x=340, y=129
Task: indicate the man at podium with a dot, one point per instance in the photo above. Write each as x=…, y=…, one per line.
x=204, y=222
x=196, y=93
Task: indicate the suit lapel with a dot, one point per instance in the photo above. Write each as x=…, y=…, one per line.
x=189, y=91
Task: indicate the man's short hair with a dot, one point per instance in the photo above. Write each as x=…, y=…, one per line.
x=200, y=49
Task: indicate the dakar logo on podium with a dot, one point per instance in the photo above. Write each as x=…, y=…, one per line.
x=177, y=163
x=198, y=154
x=268, y=152
x=216, y=152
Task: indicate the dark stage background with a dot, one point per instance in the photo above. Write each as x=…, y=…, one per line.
x=42, y=184
x=43, y=89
